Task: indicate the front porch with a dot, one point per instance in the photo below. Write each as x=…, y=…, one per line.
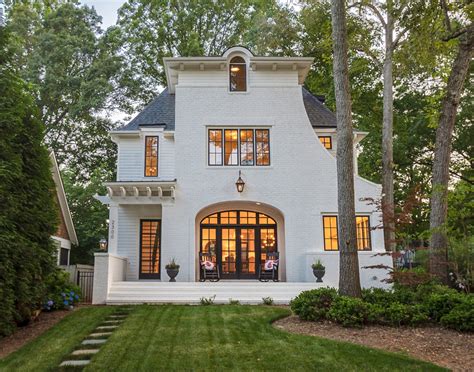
x=245, y=291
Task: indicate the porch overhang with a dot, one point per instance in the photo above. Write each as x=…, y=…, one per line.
x=138, y=192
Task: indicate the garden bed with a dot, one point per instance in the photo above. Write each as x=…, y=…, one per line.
x=447, y=348
x=22, y=335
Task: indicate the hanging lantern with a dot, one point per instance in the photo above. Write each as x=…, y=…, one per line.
x=240, y=184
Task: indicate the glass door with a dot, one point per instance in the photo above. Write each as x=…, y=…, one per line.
x=229, y=253
x=247, y=264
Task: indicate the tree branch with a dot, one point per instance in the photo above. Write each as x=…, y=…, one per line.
x=373, y=8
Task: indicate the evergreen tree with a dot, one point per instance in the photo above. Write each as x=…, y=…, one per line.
x=28, y=214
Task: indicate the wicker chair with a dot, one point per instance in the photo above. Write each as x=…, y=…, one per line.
x=211, y=275
x=265, y=275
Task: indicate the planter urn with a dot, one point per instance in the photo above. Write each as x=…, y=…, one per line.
x=319, y=273
x=172, y=273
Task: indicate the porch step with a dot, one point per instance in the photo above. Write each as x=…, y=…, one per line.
x=247, y=292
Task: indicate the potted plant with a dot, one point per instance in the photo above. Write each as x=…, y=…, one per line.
x=172, y=269
x=318, y=270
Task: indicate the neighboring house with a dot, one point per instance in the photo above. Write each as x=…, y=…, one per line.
x=65, y=236
x=175, y=194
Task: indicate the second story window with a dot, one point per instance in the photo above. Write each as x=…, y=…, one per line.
x=326, y=141
x=237, y=75
x=231, y=147
x=151, y=156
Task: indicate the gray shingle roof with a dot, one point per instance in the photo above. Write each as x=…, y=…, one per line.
x=161, y=112
x=319, y=115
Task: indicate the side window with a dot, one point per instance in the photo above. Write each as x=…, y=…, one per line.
x=151, y=156
x=263, y=146
x=237, y=75
x=326, y=141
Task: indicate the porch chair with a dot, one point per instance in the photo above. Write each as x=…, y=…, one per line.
x=269, y=271
x=208, y=272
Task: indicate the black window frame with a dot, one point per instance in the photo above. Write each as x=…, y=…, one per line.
x=369, y=233
x=238, y=148
x=157, y=156
x=142, y=275
x=269, y=148
x=244, y=65
x=330, y=142
x=209, y=147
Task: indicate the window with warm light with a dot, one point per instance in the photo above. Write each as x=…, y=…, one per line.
x=326, y=141
x=231, y=147
x=237, y=75
x=362, y=233
x=151, y=156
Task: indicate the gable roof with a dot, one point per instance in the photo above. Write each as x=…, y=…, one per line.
x=161, y=112
x=63, y=205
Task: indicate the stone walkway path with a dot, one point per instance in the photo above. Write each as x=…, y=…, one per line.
x=90, y=346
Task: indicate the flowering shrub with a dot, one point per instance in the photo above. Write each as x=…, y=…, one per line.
x=61, y=293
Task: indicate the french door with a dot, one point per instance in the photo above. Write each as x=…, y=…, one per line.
x=150, y=249
x=238, y=244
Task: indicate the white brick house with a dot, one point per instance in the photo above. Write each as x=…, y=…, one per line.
x=176, y=196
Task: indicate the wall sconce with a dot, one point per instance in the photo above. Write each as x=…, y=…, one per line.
x=103, y=244
x=240, y=184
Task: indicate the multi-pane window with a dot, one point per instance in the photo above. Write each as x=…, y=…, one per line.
x=330, y=233
x=231, y=147
x=326, y=141
x=231, y=143
x=215, y=146
x=151, y=156
x=246, y=147
x=263, y=146
x=237, y=75
x=150, y=249
x=362, y=233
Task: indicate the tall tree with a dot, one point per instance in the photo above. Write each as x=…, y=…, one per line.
x=28, y=214
x=443, y=145
x=349, y=281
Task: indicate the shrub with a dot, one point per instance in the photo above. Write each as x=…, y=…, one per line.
x=348, y=311
x=398, y=314
x=206, y=301
x=313, y=304
x=60, y=292
x=378, y=296
x=439, y=304
x=267, y=301
x=461, y=317
x=233, y=302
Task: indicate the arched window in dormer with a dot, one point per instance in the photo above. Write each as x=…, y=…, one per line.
x=238, y=75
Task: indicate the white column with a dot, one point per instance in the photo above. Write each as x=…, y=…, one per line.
x=113, y=229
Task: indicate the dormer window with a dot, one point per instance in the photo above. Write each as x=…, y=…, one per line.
x=238, y=75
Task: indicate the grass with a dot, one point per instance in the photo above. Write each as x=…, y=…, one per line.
x=202, y=338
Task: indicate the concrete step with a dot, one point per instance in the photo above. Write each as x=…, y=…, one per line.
x=108, y=327
x=94, y=342
x=85, y=351
x=100, y=334
x=74, y=363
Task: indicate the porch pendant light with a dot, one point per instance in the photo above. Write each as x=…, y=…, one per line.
x=240, y=183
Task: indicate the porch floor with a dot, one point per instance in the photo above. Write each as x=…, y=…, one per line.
x=246, y=292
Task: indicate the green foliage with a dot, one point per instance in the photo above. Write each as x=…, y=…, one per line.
x=398, y=314
x=206, y=301
x=60, y=292
x=461, y=317
x=28, y=214
x=233, y=302
x=313, y=304
x=461, y=262
x=267, y=301
x=348, y=311
x=318, y=265
x=440, y=304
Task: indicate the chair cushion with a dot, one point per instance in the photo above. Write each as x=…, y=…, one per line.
x=208, y=265
x=271, y=264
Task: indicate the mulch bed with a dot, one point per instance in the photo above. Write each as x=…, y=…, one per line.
x=27, y=333
x=443, y=347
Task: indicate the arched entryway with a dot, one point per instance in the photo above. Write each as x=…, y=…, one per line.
x=238, y=240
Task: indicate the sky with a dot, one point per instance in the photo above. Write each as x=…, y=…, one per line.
x=107, y=9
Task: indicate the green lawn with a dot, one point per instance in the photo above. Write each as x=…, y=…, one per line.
x=184, y=338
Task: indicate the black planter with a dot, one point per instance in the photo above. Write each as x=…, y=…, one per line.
x=318, y=273
x=172, y=273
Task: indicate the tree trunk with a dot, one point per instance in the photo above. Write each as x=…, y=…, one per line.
x=388, y=204
x=444, y=133
x=349, y=281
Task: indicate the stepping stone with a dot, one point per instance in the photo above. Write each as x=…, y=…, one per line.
x=117, y=316
x=100, y=334
x=74, y=363
x=94, y=342
x=107, y=327
x=85, y=351
x=113, y=321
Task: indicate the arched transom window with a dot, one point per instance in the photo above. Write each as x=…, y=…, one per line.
x=238, y=218
x=238, y=75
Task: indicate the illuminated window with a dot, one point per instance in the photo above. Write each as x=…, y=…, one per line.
x=151, y=156
x=330, y=233
x=238, y=75
x=362, y=233
x=326, y=141
x=150, y=249
x=263, y=146
x=215, y=146
x=231, y=140
x=231, y=147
